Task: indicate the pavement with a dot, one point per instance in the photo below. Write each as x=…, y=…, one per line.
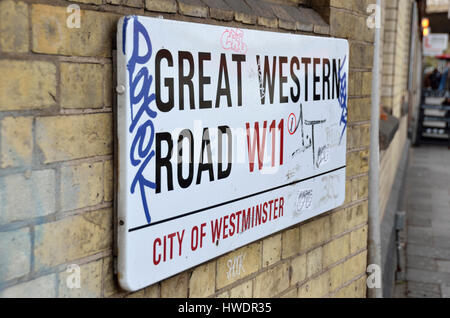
x=427, y=204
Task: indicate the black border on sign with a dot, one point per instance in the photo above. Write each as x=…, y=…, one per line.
x=232, y=201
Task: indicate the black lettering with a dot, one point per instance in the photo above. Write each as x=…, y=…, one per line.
x=306, y=61
x=223, y=72
x=185, y=134
x=283, y=79
x=222, y=174
x=267, y=77
x=168, y=82
x=163, y=161
x=326, y=78
x=185, y=79
x=203, y=80
x=316, y=79
x=335, y=85
x=239, y=58
x=295, y=97
x=206, y=143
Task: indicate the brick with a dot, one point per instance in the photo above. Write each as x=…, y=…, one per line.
x=50, y=34
x=73, y=137
x=41, y=287
x=219, y=10
x=358, y=239
x=314, y=260
x=193, y=8
x=366, y=83
x=298, y=269
x=82, y=85
x=153, y=291
x=354, y=83
x=242, y=12
x=303, y=18
x=363, y=187
x=77, y=236
x=27, y=195
x=133, y=3
x=343, y=4
x=81, y=185
x=271, y=250
x=90, y=281
x=336, y=276
x=361, y=55
x=108, y=186
x=89, y=1
x=343, y=24
x=225, y=294
x=354, y=266
x=291, y=294
x=336, y=250
x=356, y=289
x=15, y=254
x=314, y=232
x=272, y=281
x=285, y=20
x=27, y=85
x=345, y=219
x=290, y=242
x=315, y=288
x=365, y=135
x=265, y=16
x=201, y=283
x=358, y=109
x=110, y=284
x=169, y=6
x=242, y=291
x=238, y=264
x=14, y=26
x=175, y=287
x=16, y=142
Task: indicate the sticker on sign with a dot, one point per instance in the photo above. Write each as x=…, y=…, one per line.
x=225, y=136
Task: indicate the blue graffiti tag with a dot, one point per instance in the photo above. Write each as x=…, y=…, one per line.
x=141, y=145
x=343, y=97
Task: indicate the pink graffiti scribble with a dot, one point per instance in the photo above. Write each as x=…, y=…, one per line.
x=232, y=39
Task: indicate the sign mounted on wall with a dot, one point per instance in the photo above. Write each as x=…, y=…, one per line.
x=225, y=136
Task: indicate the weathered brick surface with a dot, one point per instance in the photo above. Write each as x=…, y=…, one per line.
x=27, y=195
x=15, y=251
x=201, y=283
x=272, y=282
x=238, y=264
x=72, y=137
x=41, y=287
x=81, y=185
x=82, y=85
x=77, y=236
x=27, y=85
x=271, y=250
x=50, y=34
x=176, y=286
x=90, y=281
x=14, y=26
x=16, y=144
x=161, y=5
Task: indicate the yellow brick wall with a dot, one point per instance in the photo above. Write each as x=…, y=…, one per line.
x=397, y=36
x=394, y=90
x=56, y=156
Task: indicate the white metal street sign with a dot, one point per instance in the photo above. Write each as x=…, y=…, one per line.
x=225, y=136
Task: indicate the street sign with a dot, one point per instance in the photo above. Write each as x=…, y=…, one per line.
x=225, y=136
x=435, y=44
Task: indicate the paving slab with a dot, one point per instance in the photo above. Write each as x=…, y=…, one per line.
x=427, y=202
